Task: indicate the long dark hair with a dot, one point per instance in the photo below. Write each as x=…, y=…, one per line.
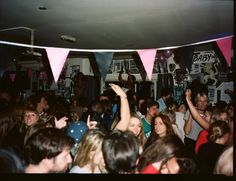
x=154, y=136
x=162, y=149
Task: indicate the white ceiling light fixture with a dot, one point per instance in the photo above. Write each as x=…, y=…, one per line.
x=68, y=38
x=30, y=51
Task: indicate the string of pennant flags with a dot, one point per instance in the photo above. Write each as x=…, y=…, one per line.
x=58, y=56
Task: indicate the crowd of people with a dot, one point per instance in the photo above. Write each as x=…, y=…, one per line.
x=117, y=133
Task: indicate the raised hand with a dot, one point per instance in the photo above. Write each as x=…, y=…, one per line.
x=91, y=124
x=61, y=123
x=188, y=94
x=118, y=90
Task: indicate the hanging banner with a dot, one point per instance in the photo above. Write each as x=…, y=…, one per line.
x=57, y=58
x=103, y=60
x=225, y=46
x=148, y=58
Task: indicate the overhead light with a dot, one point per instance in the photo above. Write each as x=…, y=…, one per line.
x=68, y=38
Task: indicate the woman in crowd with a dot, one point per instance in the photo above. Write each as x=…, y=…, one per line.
x=162, y=128
x=161, y=156
x=202, y=137
x=89, y=158
x=136, y=127
x=208, y=153
x=171, y=114
x=182, y=108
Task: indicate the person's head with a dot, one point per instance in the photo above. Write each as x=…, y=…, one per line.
x=120, y=152
x=173, y=105
x=140, y=101
x=224, y=164
x=220, y=114
x=136, y=127
x=18, y=111
x=163, y=153
x=30, y=116
x=103, y=97
x=6, y=124
x=152, y=108
x=90, y=150
x=219, y=132
x=49, y=148
x=182, y=108
x=163, y=125
x=10, y=162
x=171, y=114
x=161, y=128
x=79, y=83
x=208, y=114
x=59, y=108
x=96, y=106
x=201, y=101
x=39, y=101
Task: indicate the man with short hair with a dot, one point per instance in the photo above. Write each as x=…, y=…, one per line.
x=48, y=151
x=192, y=127
x=166, y=95
x=40, y=103
x=151, y=112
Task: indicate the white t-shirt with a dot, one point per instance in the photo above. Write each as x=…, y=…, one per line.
x=196, y=128
x=180, y=123
x=77, y=169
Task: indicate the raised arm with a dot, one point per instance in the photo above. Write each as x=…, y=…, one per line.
x=195, y=114
x=124, y=108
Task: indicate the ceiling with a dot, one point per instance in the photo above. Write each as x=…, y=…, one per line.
x=115, y=24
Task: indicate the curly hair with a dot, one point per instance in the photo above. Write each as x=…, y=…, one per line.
x=217, y=130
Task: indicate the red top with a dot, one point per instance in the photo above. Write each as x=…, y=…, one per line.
x=150, y=169
x=202, y=139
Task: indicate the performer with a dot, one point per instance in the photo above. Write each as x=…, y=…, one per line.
x=130, y=82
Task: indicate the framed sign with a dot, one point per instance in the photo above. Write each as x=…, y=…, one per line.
x=204, y=57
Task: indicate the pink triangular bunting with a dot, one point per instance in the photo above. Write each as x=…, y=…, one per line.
x=225, y=46
x=57, y=58
x=148, y=58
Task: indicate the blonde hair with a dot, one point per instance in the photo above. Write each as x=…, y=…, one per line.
x=141, y=137
x=202, y=94
x=224, y=164
x=89, y=146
